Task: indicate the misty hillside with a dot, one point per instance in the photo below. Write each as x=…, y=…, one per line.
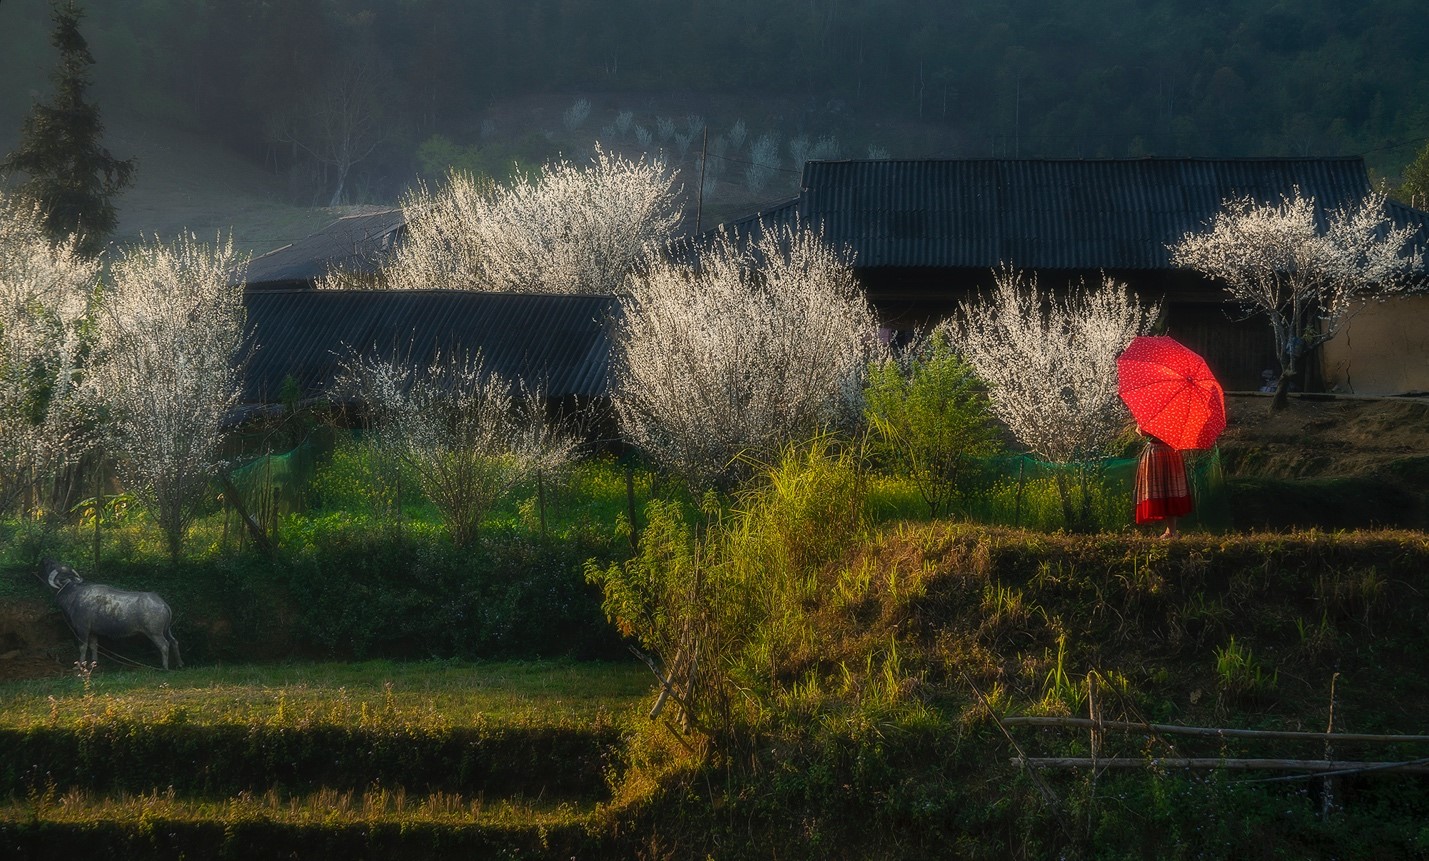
x=350, y=101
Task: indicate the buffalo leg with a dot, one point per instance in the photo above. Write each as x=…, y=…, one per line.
x=163, y=646
x=174, y=648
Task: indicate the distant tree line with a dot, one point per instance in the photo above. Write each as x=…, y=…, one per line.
x=342, y=92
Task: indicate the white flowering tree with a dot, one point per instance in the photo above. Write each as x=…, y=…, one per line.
x=171, y=332
x=568, y=229
x=754, y=348
x=46, y=291
x=1308, y=276
x=1049, y=362
x=467, y=432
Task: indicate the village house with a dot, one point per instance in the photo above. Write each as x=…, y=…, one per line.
x=300, y=335
x=927, y=234
x=924, y=235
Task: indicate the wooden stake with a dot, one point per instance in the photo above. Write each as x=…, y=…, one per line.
x=1327, y=795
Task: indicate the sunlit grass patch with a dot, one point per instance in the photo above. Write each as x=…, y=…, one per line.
x=456, y=692
x=324, y=807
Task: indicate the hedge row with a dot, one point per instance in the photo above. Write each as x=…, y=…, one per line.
x=141, y=837
x=129, y=756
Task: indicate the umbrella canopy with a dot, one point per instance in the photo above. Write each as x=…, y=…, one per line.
x=1171, y=393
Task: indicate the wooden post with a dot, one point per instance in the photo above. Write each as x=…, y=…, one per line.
x=1017, y=515
x=630, y=502
x=1327, y=789
x=98, y=510
x=1095, y=715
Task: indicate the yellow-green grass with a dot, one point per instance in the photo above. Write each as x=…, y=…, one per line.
x=445, y=693
x=376, y=805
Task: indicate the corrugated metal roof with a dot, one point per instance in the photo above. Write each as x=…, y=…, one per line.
x=357, y=243
x=558, y=342
x=1045, y=214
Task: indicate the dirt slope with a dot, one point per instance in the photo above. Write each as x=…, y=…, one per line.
x=1319, y=438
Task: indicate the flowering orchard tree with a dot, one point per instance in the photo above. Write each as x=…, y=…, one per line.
x=569, y=229
x=171, y=331
x=1276, y=260
x=467, y=432
x=755, y=348
x=1049, y=362
x=45, y=299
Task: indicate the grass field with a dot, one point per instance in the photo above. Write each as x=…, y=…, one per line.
x=381, y=759
x=337, y=693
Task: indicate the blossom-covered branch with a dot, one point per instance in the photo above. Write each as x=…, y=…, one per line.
x=170, y=336
x=569, y=229
x=46, y=290
x=466, y=431
x=1050, y=362
x=755, y=348
x=1276, y=259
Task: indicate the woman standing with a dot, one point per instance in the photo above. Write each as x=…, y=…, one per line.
x=1163, y=492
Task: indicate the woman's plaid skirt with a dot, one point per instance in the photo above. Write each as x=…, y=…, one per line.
x=1162, y=490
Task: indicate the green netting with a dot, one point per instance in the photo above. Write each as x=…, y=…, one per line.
x=277, y=484
x=1012, y=490
x=1019, y=490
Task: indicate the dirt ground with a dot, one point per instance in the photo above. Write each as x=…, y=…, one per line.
x=34, y=642
x=1323, y=437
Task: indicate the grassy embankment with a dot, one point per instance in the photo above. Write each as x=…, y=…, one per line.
x=859, y=694
x=870, y=732
x=443, y=759
x=873, y=731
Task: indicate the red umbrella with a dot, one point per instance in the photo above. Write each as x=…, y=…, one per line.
x=1171, y=393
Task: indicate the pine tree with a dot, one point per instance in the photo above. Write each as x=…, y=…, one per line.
x=70, y=173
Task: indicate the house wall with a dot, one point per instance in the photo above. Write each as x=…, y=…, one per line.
x=1383, y=350
x=1237, y=349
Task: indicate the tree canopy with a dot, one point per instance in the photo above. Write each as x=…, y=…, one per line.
x=69, y=172
x=978, y=78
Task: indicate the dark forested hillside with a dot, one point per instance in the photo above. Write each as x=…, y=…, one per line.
x=976, y=78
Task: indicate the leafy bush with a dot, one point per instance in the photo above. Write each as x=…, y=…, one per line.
x=931, y=420
x=721, y=602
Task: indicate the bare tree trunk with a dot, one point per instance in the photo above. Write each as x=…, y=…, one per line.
x=1282, y=386
x=1282, y=394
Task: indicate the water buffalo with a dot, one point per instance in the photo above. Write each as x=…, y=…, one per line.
x=94, y=610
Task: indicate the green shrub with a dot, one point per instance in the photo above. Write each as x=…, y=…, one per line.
x=931, y=421
x=362, y=594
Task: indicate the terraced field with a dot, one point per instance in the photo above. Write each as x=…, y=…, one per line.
x=364, y=760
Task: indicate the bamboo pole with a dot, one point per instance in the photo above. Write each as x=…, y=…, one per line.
x=235, y=499
x=1212, y=732
x=1318, y=766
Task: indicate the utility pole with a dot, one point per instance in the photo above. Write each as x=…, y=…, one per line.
x=700, y=200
